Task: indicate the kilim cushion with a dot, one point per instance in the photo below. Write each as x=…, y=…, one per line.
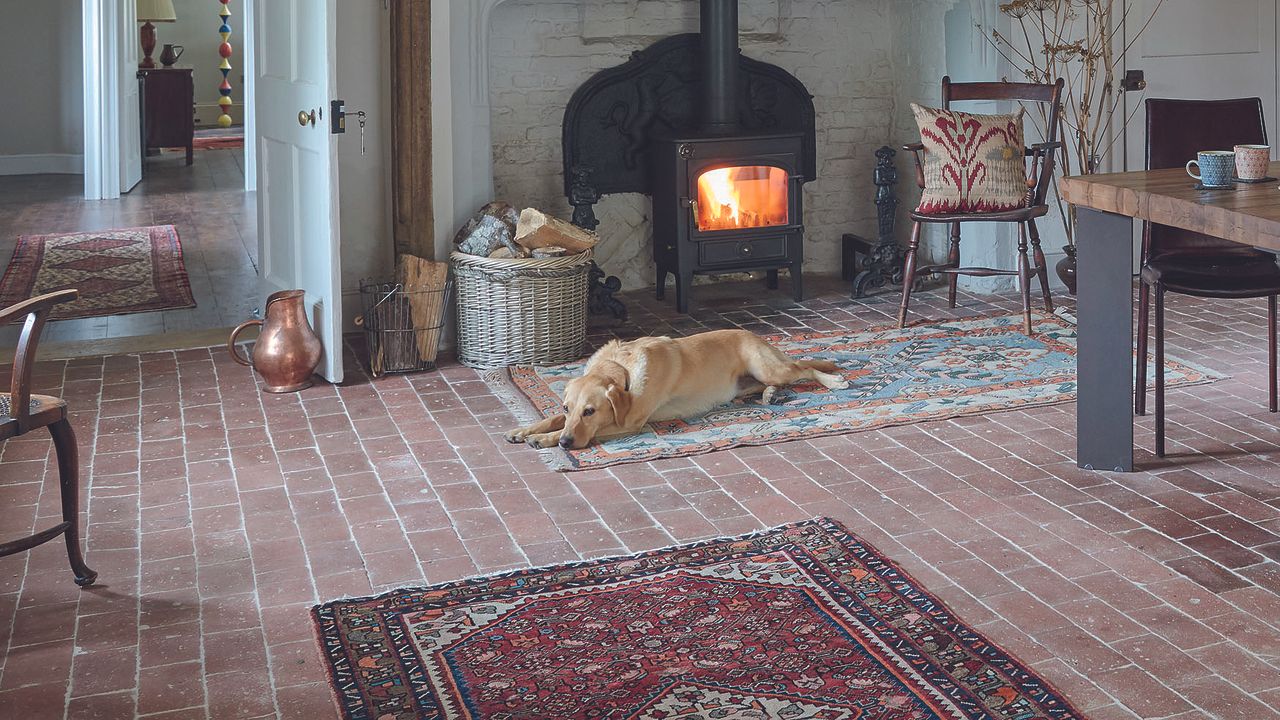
x=972, y=163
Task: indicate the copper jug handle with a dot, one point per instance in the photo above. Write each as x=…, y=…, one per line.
x=231, y=341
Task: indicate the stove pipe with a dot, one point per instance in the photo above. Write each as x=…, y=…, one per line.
x=720, y=66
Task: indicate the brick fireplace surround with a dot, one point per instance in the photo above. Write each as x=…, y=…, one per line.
x=510, y=67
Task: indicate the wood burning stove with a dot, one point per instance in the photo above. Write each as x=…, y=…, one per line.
x=722, y=143
x=725, y=205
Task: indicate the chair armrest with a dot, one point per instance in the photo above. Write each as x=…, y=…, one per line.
x=36, y=304
x=916, y=149
x=36, y=311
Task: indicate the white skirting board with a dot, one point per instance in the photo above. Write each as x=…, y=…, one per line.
x=41, y=164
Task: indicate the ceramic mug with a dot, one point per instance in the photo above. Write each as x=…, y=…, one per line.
x=1216, y=168
x=1252, y=161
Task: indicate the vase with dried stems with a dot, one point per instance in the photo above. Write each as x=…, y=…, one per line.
x=1081, y=41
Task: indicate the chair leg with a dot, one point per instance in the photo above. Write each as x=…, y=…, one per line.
x=1271, y=349
x=64, y=443
x=909, y=274
x=1024, y=275
x=953, y=260
x=1144, y=334
x=1042, y=267
x=1159, y=292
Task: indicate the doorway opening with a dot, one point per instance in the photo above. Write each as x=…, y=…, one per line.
x=170, y=248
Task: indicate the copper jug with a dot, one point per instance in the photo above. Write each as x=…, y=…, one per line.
x=288, y=350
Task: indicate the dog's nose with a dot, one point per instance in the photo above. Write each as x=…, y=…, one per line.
x=566, y=441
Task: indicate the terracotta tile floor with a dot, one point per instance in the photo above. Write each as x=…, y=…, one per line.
x=217, y=515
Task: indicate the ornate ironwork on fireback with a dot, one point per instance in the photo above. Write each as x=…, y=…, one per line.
x=615, y=117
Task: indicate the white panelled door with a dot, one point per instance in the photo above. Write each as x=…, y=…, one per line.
x=298, y=235
x=130, y=106
x=1202, y=50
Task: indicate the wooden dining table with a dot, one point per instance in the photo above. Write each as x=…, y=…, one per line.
x=1106, y=207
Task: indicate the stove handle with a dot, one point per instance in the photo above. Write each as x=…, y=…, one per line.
x=693, y=209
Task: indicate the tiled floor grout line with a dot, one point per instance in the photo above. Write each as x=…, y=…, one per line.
x=235, y=479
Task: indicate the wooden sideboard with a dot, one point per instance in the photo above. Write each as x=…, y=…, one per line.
x=168, y=97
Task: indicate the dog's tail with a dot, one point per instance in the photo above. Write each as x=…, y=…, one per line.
x=825, y=366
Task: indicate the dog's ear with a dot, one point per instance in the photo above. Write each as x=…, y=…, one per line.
x=621, y=401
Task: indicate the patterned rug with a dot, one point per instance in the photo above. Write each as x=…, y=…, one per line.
x=897, y=377
x=803, y=622
x=116, y=271
x=219, y=142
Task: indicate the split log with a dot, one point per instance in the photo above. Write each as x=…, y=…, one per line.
x=425, y=308
x=538, y=230
x=493, y=227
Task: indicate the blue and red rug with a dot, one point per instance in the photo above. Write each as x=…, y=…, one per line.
x=896, y=377
x=805, y=622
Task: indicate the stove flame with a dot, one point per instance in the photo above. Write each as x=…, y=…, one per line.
x=734, y=198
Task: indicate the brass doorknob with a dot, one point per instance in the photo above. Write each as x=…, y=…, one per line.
x=306, y=118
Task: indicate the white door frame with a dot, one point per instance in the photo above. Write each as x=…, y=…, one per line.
x=106, y=56
x=102, y=52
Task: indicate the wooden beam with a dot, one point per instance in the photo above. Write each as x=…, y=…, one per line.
x=412, y=213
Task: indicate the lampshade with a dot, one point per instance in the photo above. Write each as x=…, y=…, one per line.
x=156, y=11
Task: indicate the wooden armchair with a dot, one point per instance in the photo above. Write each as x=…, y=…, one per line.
x=21, y=412
x=1039, y=179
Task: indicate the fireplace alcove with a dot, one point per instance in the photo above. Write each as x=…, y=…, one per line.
x=723, y=144
x=503, y=72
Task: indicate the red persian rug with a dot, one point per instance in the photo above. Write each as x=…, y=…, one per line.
x=804, y=621
x=116, y=271
x=219, y=142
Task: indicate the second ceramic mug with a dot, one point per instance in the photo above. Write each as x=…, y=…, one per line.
x=1216, y=168
x=1252, y=161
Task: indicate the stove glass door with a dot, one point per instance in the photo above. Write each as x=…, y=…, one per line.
x=743, y=196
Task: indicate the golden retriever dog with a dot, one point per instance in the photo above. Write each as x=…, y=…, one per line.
x=626, y=385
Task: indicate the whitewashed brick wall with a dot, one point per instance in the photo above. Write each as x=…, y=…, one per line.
x=861, y=59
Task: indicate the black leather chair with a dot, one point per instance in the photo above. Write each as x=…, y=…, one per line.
x=1181, y=261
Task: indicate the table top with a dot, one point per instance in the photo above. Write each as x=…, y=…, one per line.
x=1248, y=214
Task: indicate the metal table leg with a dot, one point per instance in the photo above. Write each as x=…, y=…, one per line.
x=1104, y=299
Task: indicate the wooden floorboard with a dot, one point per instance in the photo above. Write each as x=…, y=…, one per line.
x=206, y=202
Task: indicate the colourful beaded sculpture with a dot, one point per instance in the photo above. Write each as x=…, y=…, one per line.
x=224, y=102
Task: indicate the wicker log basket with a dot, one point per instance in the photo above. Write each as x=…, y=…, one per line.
x=521, y=311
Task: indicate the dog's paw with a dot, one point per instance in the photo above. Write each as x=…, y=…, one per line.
x=766, y=398
x=516, y=436
x=543, y=441
x=840, y=385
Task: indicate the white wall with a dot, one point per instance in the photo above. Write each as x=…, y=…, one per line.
x=364, y=82
x=197, y=31
x=863, y=60
x=41, y=128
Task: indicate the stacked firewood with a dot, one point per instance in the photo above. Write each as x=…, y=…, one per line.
x=499, y=231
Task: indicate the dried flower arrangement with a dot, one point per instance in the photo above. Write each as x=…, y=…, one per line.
x=1082, y=42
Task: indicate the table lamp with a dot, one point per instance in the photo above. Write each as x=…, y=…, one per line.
x=150, y=11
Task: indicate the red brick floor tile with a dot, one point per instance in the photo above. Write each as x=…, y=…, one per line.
x=217, y=515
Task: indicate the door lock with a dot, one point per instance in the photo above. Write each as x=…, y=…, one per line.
x=338, y=120
x=1134, y=81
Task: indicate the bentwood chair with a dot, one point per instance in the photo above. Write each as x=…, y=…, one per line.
x=1039, y=178
x=22, y=412
x=1181, y=261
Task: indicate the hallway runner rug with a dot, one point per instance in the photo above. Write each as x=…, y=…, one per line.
x=804, y=621
x=219, y=142
x=116, y=271
x=896, y=377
